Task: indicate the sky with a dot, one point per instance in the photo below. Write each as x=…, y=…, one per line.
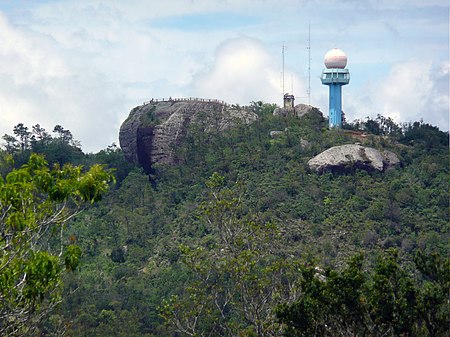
x=85, y=64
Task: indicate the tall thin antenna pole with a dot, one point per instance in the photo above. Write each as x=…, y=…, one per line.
x=309, y=63
x=282, y=51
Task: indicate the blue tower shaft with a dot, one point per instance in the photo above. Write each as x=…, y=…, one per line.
x=335, y=79
x=335, y=105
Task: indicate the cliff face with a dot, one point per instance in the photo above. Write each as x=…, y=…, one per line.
x=152, y=130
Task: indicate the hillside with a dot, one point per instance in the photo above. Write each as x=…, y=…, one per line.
x=155, y=237
x=151, y=132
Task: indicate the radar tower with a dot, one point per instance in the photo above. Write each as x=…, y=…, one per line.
x=335, y=76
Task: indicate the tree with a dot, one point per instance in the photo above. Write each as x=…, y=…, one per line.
x=426, y=135
x=12, y=145
x=35, y=204
x=238, y=280
x=40, y=138
x=63, y=148
x=373, y=126
x=65, y=136
x=22, y=132
x=391, y=297
x=330, y=303
x=433, y=304
x=113, y=157
x=381, y=301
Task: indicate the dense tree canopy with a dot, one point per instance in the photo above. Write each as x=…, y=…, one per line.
x=383, y=301
x=35, y=204
x=263, y=246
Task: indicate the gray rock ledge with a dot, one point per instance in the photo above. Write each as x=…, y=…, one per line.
x=351, y=156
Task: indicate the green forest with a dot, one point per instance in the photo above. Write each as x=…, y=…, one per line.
x=239, y=238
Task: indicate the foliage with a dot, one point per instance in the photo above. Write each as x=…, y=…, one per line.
x=383, y=301
x=36, y=202
x=60, y=149
x=238, y=278
x=131, y=239
x=426, y=135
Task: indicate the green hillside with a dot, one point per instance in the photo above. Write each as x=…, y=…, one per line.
x=241, y=239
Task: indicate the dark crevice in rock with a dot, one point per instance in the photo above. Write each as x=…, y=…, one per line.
x=153, y=131
x=144, y=148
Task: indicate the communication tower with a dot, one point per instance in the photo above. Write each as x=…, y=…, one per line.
x=335, y=76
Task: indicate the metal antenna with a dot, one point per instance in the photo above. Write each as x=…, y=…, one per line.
x=282, y=52
x=309, y=63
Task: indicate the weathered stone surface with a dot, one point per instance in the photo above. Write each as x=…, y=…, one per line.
x=351, y=156
x=390, y=159
x=299, y=110
x=275, y=134
x=304, y=144
x=152, y=130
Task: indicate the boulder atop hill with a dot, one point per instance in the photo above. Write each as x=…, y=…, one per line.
x=299, y=110
x=352, y=156
x=151, y=132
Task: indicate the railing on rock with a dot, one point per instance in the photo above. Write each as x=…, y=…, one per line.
x=189, y=99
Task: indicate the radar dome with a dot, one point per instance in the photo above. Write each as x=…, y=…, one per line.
x=335, y=58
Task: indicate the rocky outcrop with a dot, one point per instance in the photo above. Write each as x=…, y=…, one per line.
x=304, y=144
x=299, y=110
x=351, y=156
x=152, y=130
x=276, y=134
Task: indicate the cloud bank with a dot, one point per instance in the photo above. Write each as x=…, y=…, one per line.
x=85, y=64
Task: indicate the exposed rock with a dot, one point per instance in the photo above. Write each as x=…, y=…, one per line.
x=351, y=156
x=304, y=144
x=390, y=159
x=152, y=130
x=276, y=134
x=299, y=110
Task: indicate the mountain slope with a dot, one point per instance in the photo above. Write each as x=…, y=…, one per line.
x=132, y=238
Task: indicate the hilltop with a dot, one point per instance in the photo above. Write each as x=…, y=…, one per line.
x=134, y=236
x=151, y=245
x=151, y=132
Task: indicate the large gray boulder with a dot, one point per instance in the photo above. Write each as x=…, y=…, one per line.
x=351, y=156
x=299, y=110
x=151, y=132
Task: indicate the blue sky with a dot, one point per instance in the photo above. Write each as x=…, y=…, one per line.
x=86, y=64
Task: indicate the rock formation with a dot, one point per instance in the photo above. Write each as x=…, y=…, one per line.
x=299, y=110
x=352, y=156
x=152, y=130
x=276, y=134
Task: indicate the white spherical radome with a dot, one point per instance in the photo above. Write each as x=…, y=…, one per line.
x=335, y=58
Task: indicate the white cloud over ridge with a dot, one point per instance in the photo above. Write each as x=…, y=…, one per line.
x=243, y=71
x=85, y=64
x=41, y=84
x=412, y=91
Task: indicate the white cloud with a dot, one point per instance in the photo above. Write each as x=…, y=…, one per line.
x=403, y=93
x=39, y=83
x=85, y=64
x=243, y=71
x=27, y=58
x=413, y=90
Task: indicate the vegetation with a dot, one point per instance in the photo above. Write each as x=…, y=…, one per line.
x=239, y=275
x=383, y=301
x=241, y=239
x=36, y=202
